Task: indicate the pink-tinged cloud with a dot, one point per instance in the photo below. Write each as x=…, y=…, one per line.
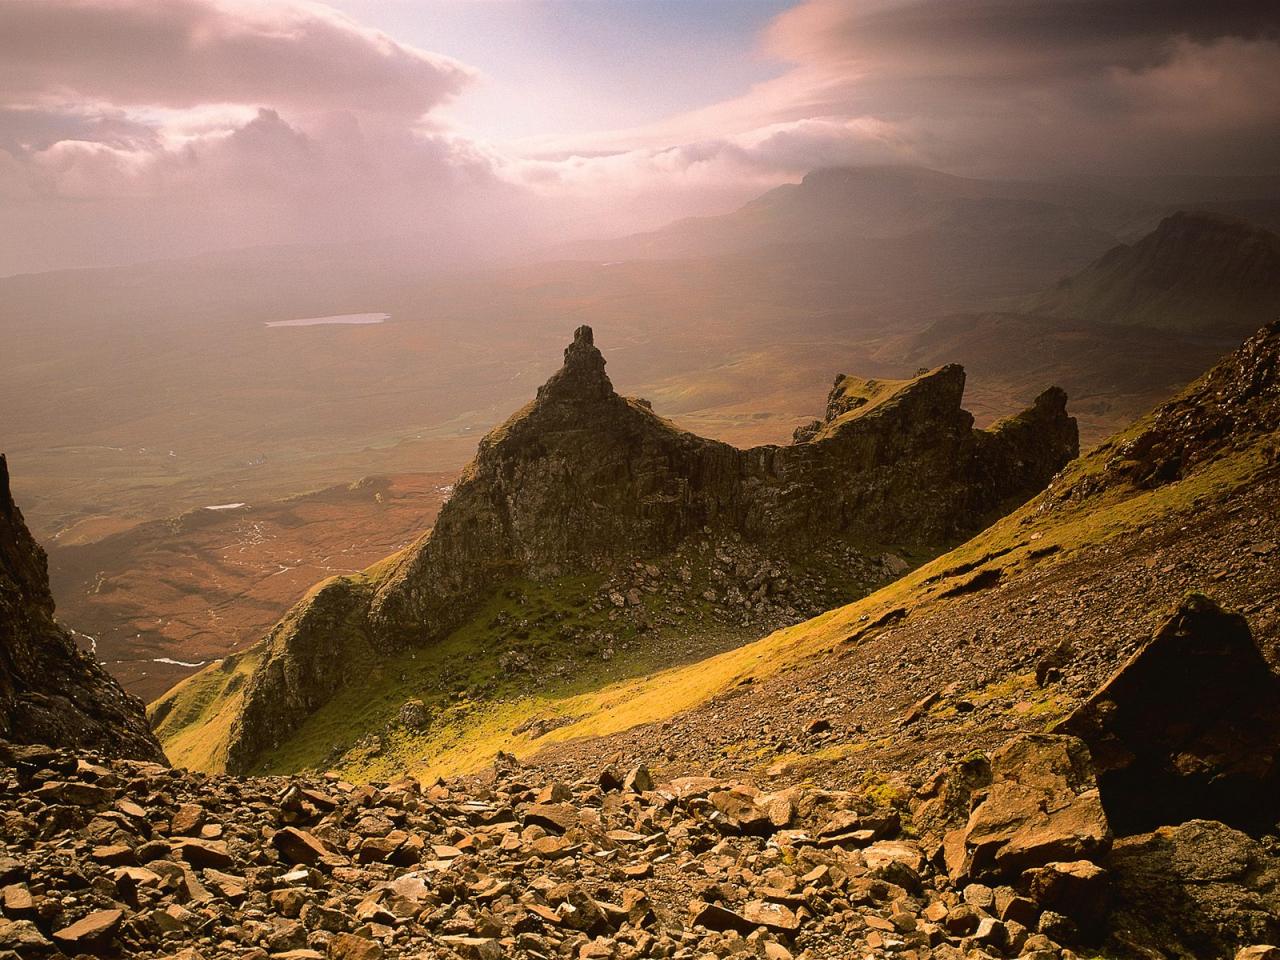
x=987, y=86
x=183, y=53
x=135, y=128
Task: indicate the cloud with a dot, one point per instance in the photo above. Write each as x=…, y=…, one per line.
x=136, y=128
x=184, y=53
x=985, y=87
x=1034, y=87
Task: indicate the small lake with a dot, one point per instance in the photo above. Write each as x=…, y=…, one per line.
x=349, y=318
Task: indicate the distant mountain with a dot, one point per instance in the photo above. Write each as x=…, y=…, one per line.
x=907, y=236
x=1124, y=333
x=1252, y=198
x=1196, y=273
x=844, y=204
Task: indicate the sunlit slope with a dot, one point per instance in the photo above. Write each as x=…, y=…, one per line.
x=592, y=541
x=1042, y=532
x=1189, y=455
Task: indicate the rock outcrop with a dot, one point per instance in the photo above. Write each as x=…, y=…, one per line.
x=1230, y=408
x=1200, y=889
x=1041, y=806
x=50, y=691
x=584, y=479
x=1189, y=727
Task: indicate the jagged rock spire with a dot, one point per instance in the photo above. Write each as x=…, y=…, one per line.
x=582, y=377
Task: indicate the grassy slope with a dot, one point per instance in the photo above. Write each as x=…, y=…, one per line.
x=462, y=680
x=477, y=705
x=1032, y=535
x=193, y=720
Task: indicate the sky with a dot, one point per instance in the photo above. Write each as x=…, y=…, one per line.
x=135, y=129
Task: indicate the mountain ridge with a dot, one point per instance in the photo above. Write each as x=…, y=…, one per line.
x=1199, y=273
x=1008, y=631
x=584, y=479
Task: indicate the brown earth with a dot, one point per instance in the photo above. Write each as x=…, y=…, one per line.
x=210, y=582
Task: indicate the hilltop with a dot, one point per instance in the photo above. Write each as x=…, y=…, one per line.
x=588, y=525
x=1197, y=273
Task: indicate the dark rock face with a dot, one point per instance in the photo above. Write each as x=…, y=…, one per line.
x=585, y=479
x=1200, y=889
x=1189, y=727
x=50, y=692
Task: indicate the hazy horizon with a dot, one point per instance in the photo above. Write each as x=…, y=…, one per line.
x=131, y=129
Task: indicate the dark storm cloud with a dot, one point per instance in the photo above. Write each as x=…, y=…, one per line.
x=1117, y=84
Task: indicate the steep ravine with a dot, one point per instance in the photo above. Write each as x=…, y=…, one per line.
x=50, y=691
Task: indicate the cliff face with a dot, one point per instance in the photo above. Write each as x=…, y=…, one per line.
x=585, y=479
x=50, y=692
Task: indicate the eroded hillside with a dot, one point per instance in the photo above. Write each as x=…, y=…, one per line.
x=1008, y=632
x=588, y=524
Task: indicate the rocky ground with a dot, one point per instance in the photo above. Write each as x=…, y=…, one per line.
x=969, y=660
x=967, y=777
x=125, y=858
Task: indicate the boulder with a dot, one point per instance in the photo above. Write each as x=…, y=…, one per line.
x=298, y=846
x=1200, y=889
x=90, y=932
x=738, y=813
x=24, y=938
x=1078, y=889
x=1042, y=805
x=347, y=946
x=414, y=715
x=555, y=817
x=1159, y=762
x=203, y=853
x=715, y=917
